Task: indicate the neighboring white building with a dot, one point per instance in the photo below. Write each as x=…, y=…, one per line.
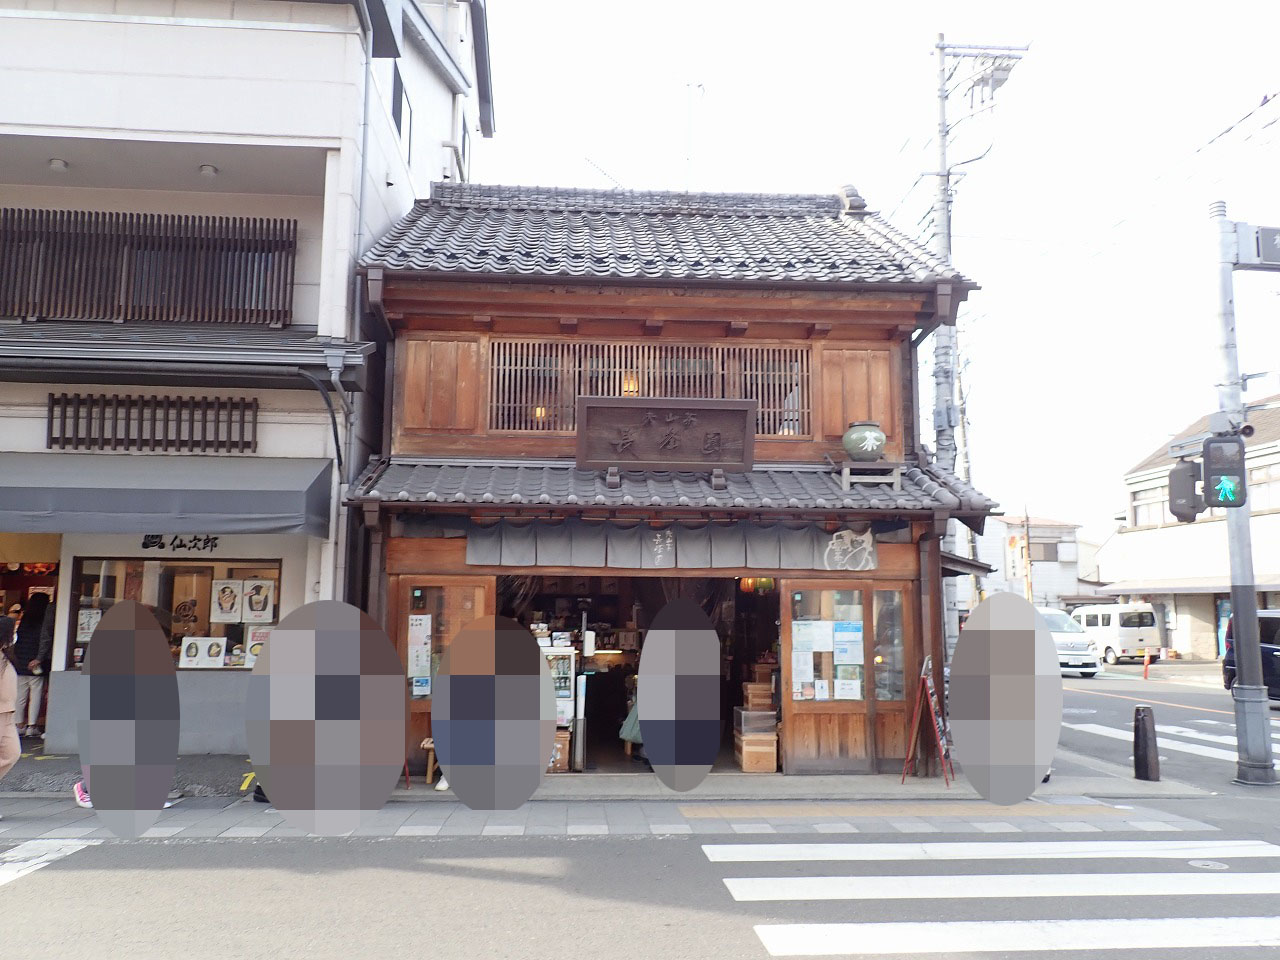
x=189, y=377
x=1061, y=565
x=1184, y=567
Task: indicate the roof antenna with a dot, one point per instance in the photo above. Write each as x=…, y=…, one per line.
x=605, y=172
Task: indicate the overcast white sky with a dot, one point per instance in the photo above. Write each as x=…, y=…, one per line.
x=1094, y=336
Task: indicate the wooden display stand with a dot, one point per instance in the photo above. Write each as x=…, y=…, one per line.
x=927, y=695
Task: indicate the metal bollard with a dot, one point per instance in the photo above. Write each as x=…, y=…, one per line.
x=1146, y=751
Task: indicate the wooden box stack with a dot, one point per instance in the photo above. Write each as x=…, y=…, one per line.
x=757, y=696
x=756, y=752
x=764, y=672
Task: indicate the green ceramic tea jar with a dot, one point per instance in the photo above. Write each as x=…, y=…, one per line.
x=864, y=441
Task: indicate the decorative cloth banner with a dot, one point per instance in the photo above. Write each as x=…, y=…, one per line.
x=578, y=543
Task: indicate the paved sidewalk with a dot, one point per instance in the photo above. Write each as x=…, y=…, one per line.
x=218, y=818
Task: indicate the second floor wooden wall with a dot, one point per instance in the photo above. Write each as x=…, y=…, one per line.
x=497, y=380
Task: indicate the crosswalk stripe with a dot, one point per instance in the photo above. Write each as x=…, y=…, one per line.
x=996, y=850
x=1002, y=886
x=1176, y=731
x=1198, y=749
x=962, y=937
x=33, y=854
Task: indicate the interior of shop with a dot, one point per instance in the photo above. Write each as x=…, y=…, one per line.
x=592, y=630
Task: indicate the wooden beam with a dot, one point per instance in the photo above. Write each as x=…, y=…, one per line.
x=737, y=328
x=483, y=321
x=652, y=328
x=568, y=324
x=818, y=331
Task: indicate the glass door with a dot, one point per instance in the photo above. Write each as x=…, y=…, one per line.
x=847, y=655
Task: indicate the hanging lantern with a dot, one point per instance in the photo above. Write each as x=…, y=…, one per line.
x=747, y=584
x=764, y=585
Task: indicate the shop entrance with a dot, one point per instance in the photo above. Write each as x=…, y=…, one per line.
x=592, y=630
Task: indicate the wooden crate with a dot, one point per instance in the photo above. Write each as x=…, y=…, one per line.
x=764, y=672
x=756, y=752
x=560, y=758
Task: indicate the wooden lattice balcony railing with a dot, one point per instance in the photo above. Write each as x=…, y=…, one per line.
x=81, y=265
x=534, y=384
x=119, y=422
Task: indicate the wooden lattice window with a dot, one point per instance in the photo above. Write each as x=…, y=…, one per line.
x=535, y=384
x=79, y=265
x=119, y=422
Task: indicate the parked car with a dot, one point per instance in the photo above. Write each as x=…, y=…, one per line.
x=1122, y=631
x=1076, y=652
x=1269, y=636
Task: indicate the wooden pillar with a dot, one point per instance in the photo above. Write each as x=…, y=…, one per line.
x=377, y=592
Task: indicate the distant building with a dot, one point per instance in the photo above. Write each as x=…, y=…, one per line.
x=1063, y=568
x=1183, y=568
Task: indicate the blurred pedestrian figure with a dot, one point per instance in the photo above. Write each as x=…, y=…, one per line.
x=32, y=652
x=10, y=748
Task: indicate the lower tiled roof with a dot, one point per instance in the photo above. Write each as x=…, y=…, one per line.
x=560, y=483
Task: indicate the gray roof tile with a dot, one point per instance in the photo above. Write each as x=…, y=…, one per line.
x=620, y=234
x=562, y=484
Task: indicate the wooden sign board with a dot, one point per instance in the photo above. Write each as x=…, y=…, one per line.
x=634, y=433
x=927, y=698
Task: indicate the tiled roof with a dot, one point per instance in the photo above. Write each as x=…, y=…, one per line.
x=1265, y=423
x=560, y=483
x=621, y=234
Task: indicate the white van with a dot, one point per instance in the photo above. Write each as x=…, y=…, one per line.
x=1121, y=631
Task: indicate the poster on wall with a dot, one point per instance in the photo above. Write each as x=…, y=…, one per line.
x=801, y=666
x=848, y=642
x=228, y=596
x=821, y=690
x=420, y=648
x=259, y=602
x=86, y=623
x=202, y=652
x=255, y=644
x=811, y=635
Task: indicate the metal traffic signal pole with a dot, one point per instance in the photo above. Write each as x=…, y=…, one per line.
x=1253, y=721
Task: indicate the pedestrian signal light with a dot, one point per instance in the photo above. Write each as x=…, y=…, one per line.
x=1184, y=502
x=1224, y=484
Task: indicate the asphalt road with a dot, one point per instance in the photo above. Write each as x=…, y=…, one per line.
x=648, y=899
x=1195, y=726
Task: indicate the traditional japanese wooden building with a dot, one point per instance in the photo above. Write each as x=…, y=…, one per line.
x=602, y=399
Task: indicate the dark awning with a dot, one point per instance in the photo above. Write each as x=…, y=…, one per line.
x=954, y=565
x=129, y=493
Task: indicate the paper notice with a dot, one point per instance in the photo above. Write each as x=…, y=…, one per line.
x=848, y=689
x=821, y=690
x=801, y=666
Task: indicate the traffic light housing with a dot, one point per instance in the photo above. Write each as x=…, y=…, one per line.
x=1184, y=502
x=1224, y=474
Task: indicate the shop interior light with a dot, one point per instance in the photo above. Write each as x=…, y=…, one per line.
x=598, y=652
x=539, y=413
x=630, y=384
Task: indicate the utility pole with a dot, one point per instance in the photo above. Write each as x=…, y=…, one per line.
x=994, y=66
x=1253, y=721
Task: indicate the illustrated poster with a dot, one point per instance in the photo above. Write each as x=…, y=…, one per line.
x=202, y=652
x=255, y=644
x=86, y=623
x=259, y=603
x=227, y=598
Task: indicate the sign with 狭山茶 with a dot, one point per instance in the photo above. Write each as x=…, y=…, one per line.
x=666, y=433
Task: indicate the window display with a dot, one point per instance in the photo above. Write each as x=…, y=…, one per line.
x=216, y=614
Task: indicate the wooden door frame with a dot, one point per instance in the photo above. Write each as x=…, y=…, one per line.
x=868, y=707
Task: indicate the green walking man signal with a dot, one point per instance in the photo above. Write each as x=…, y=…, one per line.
x=1224, y=483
